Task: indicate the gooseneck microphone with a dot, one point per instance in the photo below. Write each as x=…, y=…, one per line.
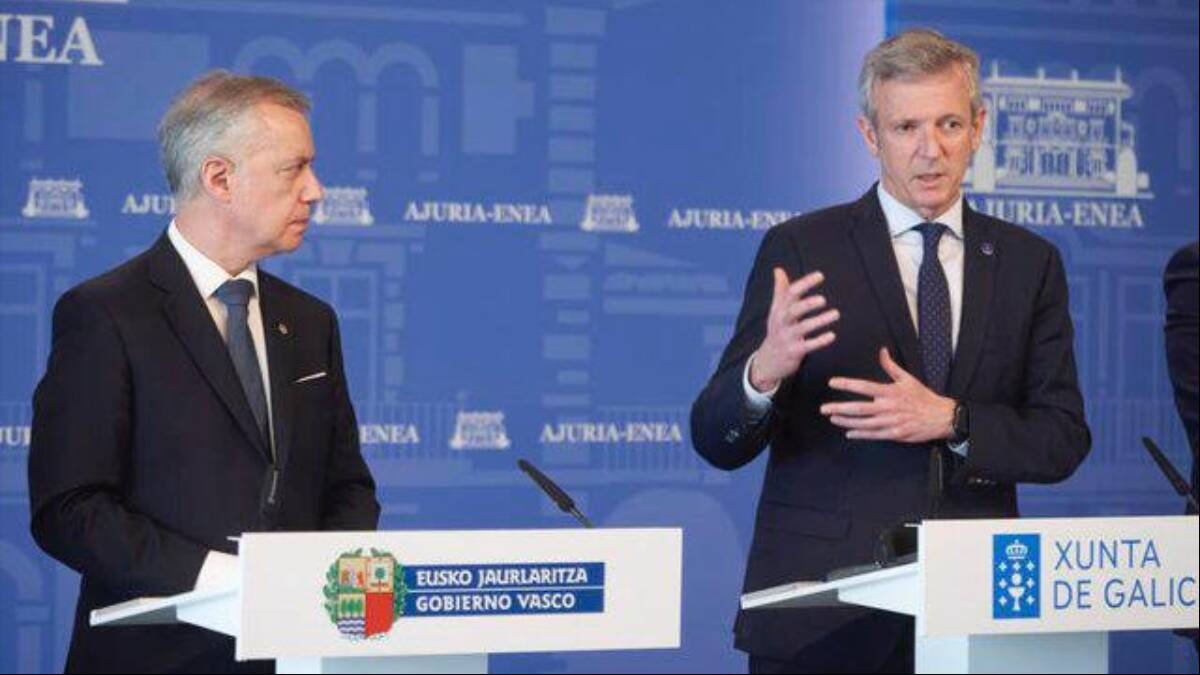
x=555, y=493
x=1177, y=481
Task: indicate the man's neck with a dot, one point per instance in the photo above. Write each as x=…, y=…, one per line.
x=208, y=235
x=927, y=214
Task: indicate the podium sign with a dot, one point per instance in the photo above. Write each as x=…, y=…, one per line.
x=356, y=594
x=1058, y=575
x=1024, y=595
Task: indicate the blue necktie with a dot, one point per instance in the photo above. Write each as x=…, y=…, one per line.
x=937, y=350
x=235, y=294
x=933, y=311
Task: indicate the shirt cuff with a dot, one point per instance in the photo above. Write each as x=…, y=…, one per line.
x=757, y=403
x=960, y=449
x=220, y=570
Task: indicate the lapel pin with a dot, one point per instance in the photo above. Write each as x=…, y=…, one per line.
x=282, y=327
x=987, y=248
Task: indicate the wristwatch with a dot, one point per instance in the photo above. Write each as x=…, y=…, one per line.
x=961, y=424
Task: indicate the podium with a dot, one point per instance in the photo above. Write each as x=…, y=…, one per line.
x=433, y=602
x=1024, y=595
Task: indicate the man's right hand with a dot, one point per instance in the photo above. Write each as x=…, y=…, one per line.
x=790, y=327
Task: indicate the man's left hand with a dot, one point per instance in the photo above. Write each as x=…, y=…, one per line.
x=904, y=410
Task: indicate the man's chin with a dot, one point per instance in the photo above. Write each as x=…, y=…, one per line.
x=934, y=201
x=296, y=232
x=289, y=242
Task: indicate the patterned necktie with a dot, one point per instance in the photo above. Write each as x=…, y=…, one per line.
x=933, y=332
x=235, y=294
x=933, y=311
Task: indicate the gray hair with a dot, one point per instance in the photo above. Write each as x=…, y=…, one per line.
x=912, y=53
x=205, y=118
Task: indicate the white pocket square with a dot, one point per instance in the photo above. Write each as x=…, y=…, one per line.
x=307, y=378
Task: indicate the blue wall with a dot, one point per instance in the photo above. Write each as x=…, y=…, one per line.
x=467, y=140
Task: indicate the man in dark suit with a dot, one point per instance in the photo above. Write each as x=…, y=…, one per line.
x=1181, y=283
x=190, y=396
x=950, y=377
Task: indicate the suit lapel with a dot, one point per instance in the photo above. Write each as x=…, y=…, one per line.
x=279, y=333
x=193, y=324
x=979, y=280
x=874, y=242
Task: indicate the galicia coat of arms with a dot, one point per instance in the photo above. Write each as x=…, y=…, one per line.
x=1016, y=576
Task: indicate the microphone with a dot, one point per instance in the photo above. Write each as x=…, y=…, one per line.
x=555, y=493
x=1177, y=481
x=897, y=545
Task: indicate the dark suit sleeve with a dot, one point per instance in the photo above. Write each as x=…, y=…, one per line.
x=349, y=499
x=1044, y=436
x=722, y=430
x=80, y=461
x=1182, y=285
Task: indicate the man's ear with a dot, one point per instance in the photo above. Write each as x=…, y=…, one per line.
x=216, y=178
x=977, y=126
x=867, y=129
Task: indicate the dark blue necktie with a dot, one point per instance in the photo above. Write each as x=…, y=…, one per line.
x=933, y=311
x=937, y=350
x=235, y=294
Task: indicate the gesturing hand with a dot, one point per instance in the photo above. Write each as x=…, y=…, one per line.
x=790, y=328
x=902, y=410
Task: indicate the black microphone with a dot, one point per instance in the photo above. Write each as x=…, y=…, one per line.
x=1181, y=486
x=555, y=493
x=897, y=545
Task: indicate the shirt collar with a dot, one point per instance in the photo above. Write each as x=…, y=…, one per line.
x=901, y=219
x=207, y=274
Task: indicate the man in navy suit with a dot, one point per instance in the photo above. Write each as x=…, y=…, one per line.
x=191, y=396
x=903, y=356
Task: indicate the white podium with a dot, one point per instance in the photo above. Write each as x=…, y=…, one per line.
x=1025, y=595
x=434, y=602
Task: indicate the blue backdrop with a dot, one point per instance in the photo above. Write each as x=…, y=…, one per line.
x=539, y=219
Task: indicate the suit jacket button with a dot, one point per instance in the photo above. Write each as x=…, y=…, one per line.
x=732, y=435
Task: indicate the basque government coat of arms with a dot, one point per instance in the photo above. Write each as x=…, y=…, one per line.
x=364, y=593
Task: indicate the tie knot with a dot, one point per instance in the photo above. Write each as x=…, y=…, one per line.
x=932, y=232
x=235, y=292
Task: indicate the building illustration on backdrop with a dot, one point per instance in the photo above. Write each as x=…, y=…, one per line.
x=1062, y=135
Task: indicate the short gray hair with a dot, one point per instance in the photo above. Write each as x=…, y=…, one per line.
x=912, y=53
x=202, y=119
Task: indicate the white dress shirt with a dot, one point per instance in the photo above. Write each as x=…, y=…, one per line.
x=221, y=569
x=909, y=247
x=209, y=276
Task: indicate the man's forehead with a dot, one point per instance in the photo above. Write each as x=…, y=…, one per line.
x=924, y=94
x=279, y=118
x=951, y=77
x=279, y=130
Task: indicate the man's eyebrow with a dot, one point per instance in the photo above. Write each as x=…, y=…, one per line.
x=303, y=158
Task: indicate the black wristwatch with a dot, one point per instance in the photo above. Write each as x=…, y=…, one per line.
x=962, y=423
